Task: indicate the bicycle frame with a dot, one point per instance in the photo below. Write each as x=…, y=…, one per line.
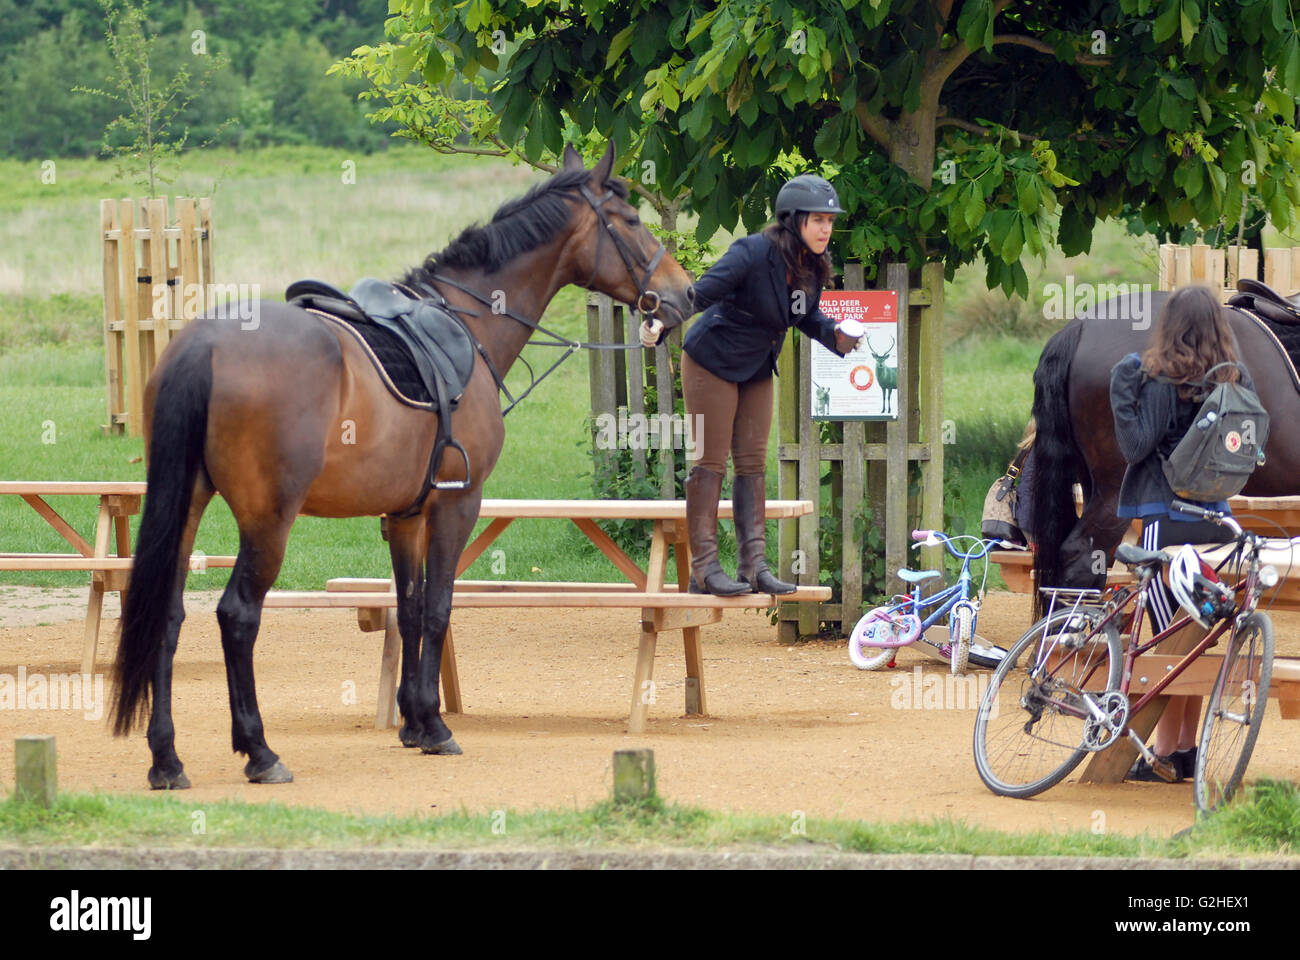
x=946, y=599
x=1134, y=649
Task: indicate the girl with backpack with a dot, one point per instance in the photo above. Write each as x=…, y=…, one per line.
x=1155, y=399
x=761, y=287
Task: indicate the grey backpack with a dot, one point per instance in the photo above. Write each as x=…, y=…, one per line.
x=1224, y=444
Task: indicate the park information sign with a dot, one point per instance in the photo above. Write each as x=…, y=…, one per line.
x=862, y=385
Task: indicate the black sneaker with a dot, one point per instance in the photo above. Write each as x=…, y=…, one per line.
x=1143, y=771
x=1186, y=762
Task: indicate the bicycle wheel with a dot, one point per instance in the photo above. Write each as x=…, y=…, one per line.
x=961, y=629
x=878, y=625
x=1235, y=712
x=1030, y=729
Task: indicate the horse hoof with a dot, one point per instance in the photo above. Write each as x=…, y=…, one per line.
x=164, y=781
x=447, y=747
x=409, y=737
x=276, y=773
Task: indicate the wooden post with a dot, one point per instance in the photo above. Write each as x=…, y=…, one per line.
x=35, y=779
x=131, y=319
x=810, y=486
x=896, y=532
x=930, y=362
x=664, y=393
x=634, y=775
x=635, y=365
x=113, y=332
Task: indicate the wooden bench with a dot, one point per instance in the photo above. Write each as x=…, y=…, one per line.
x=1254, y=513
x=663, y=606
x=118, y=501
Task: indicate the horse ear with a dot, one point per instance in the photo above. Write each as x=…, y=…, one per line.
x=605, y=166
x=572, y=158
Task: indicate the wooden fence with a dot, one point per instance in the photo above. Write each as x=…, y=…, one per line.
x=871, y=467
x=1220, y=269
x=157, y=277
x=618, y=381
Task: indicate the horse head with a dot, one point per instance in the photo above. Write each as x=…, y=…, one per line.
x=634, y=267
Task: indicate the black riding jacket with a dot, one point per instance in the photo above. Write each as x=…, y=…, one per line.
x=748, y=307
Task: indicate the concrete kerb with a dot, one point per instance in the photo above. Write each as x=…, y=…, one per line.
x=109, y=858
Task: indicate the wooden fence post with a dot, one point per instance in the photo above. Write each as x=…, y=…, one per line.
x=35, y=777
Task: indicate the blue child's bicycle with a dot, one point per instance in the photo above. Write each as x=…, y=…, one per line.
x=878, y=635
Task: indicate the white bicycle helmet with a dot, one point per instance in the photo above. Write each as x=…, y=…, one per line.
x=1197, y=588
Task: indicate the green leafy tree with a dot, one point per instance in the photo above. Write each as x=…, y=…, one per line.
x=956, y=129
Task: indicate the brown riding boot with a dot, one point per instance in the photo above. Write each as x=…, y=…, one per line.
x=749, y=503
x=703, y=487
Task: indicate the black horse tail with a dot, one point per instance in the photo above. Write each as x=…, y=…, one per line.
x=180, y=418
x=1056, y=458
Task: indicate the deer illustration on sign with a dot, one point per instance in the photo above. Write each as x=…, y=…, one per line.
x=885, y=374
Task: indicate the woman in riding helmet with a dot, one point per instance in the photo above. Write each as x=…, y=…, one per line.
x=1154, y=398
x=761, y=287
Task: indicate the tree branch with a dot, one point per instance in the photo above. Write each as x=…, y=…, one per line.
x=879, y=128
x=1033, y=43
x=976, y=128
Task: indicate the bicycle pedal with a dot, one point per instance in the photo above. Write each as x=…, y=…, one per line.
x=1166, y=770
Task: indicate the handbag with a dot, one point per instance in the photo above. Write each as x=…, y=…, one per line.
x=998, y=522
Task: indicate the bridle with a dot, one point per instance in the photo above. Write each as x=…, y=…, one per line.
x=643, y=283
x=647, y=302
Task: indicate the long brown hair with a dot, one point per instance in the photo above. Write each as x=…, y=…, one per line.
x=1190, y=337
x=806, y=270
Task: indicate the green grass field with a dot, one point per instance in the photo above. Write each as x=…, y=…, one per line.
x=287, y=212
x=1266, y=820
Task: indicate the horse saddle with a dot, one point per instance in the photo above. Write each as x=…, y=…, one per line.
x=418, y=341
x=1267, y=302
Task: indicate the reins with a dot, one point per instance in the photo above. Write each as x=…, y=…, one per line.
x=644, y=294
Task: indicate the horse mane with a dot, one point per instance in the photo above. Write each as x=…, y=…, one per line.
x=518, y=226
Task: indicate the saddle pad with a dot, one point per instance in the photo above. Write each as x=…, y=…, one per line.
x=439, y=344
x=413, y=341
x=1285, y=335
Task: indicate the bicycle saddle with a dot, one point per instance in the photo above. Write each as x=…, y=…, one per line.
x=916, y=576
x=1135, y=556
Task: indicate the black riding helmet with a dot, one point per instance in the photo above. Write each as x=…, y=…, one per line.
x=807, y=193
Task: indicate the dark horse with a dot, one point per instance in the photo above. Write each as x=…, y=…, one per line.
x=291, y=418
x=1076, y=432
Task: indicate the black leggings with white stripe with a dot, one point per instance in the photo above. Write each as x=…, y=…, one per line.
x=1160, y=533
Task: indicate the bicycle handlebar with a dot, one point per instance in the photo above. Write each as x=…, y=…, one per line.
x=1214, y=516
x=935, y=538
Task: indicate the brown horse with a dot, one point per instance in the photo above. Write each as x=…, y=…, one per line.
x=289, y=417
x=1076, y=443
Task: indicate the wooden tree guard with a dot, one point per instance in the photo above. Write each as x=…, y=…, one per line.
x=139, y=321
x=1220, y=269
x=871, y=467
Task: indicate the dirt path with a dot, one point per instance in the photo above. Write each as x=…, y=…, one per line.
x=792, y=729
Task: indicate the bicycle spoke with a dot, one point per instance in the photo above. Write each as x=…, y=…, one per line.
x=1030, y=731
x=1234, y=712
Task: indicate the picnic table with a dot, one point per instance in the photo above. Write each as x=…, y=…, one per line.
x=663, y=606
x=118, y=502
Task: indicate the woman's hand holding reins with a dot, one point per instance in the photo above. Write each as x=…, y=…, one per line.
x=650, y=331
